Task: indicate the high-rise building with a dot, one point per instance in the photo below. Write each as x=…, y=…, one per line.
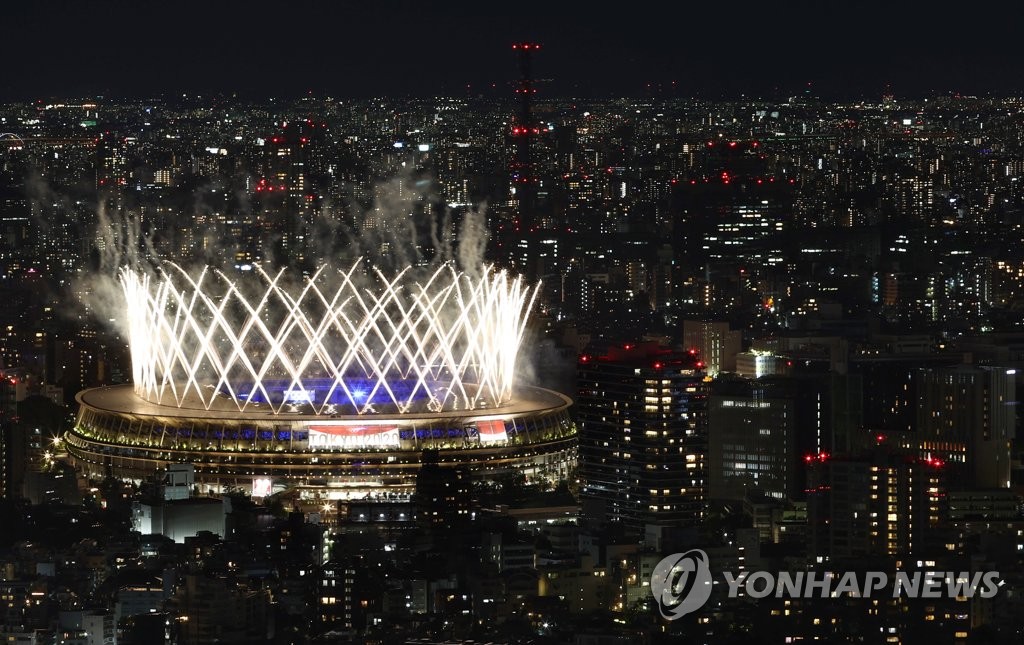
x=8, y=413
x=642, y=415
x=734, y=214
x=716, y=344
x=883, y=502
x=751, y=445
x=966, y=417
x=760, y=430
x=289, y=192
x=17, y=237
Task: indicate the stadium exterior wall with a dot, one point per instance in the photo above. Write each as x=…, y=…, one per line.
x=119, y=434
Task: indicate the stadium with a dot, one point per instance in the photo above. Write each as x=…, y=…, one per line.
x=335, y=384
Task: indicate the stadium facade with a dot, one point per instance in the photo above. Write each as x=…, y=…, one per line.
x=334, y=388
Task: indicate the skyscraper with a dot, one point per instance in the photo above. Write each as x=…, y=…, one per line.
x=290, y=190
x=760, y=430
x=716, y=344
x=751, y=443
x=965, y=416
x=642, y=416
x=882, y=502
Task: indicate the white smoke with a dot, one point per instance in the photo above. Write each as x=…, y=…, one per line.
x=407, y=225
x=472, y=240
x=119, y=242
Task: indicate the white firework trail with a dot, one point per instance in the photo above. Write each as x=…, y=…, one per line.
x=449, y=342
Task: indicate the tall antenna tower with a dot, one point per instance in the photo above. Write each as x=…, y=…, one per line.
x=523, y=131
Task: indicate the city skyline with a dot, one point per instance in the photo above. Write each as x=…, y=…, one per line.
x=505, y=366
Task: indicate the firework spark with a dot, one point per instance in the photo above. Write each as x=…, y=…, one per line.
x=445, y=343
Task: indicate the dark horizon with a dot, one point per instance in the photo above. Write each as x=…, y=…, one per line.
x=399, y=49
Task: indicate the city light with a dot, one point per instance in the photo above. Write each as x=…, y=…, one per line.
x=268, y=369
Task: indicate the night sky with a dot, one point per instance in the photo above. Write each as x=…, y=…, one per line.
x=595, y=49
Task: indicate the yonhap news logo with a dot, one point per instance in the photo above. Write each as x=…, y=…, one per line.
x=682, y=583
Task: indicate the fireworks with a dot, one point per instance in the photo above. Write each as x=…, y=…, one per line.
x=336, y=343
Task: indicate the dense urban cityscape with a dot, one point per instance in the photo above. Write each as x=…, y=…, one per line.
x=590, y=333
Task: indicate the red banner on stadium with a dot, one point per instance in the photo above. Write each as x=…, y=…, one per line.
x=491, y=431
